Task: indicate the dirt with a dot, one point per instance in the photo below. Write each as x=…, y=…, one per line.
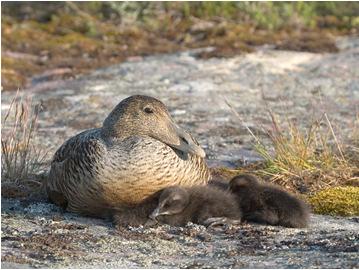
x=294, y=84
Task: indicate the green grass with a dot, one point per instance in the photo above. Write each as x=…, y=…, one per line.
x=268, y=15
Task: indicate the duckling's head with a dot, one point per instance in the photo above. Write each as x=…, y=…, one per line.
x=173, y=200
x=242, y=182
x=147, y=116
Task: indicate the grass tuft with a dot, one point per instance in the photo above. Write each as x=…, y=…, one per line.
x=20, y=159
x=305, y=160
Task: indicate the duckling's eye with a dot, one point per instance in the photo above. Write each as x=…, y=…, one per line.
x=148, y=110
x=166, y=205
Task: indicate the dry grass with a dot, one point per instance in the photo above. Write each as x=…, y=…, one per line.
x=353, y=147
x=20, y=159
x=305, y=160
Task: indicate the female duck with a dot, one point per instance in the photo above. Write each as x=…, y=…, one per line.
x=138, y=151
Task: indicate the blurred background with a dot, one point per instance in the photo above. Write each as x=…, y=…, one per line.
x=65, y=39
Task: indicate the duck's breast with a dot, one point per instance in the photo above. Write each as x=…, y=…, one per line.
x=139, y=166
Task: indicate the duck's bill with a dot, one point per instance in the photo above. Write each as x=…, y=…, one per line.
x=187, y=144
x=157, y=212
x=154, y=214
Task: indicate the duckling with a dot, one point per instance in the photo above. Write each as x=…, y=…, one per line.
x=268, y=204
x=137, y=215
x=204, y=205
x=219, y=183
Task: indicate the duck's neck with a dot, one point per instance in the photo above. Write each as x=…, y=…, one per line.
x=116, y=125
x=119, y=129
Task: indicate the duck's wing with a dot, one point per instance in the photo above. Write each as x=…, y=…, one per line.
x=77, y=151
x=71, y=147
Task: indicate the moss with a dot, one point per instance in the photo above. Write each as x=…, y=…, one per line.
x=343, y=201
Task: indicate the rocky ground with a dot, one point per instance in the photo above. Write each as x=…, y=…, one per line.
x=39, y=235
x=298, y=85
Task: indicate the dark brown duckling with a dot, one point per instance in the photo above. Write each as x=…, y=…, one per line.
x=136, y=215
x=204, y=205
x=219, y=183
x=268, y=204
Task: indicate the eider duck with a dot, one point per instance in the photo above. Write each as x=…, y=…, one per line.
x=204, y=205
x=138, y=151
x=268, y=204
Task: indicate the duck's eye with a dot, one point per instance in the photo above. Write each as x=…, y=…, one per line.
x=148, y=110
x=184, y=140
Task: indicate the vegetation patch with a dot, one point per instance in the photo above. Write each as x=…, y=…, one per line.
x=21, y=160
x=311, y=162
x=305, y=160
x=224, y=173
x=343, y=201
x=81, y=36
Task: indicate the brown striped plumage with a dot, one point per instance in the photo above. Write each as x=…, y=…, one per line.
x=138, y=151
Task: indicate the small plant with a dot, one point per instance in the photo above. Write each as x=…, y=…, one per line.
x=20, y=159
x=353, y=147
x=304, y=160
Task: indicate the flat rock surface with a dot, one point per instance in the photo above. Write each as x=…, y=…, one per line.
x=293, y=84
x=39, y=235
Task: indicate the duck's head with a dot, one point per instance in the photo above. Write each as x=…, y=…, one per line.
x=147, y=116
